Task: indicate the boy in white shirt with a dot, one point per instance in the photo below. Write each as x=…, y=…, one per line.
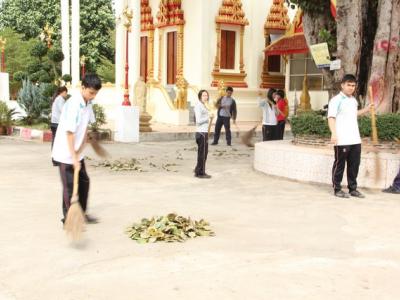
x=342, y=119
x=70, y=138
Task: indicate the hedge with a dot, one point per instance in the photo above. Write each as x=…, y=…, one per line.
x=313, y=123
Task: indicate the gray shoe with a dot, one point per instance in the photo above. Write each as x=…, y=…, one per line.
x=342, y=194
x=356, y=194
x=391, y=190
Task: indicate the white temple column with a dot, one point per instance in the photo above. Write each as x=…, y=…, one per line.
x=66, y=63
x=119, y=44
x=75, y=57
x=134, y=49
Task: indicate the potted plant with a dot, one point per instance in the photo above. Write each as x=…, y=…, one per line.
x=6, y=118
x=100, y=117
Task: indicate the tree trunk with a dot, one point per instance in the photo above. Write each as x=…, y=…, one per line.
x=312, y=25
x=391, y=98
x=349, y=39
x=370, y=24
x=381, y=78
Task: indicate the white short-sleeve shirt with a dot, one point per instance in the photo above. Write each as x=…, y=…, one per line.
x=344, y=109
x=56, y=109
x=75, y=117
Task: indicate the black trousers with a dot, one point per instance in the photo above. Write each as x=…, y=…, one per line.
x=350, y=155
x=226, y=122
x=269, y=132
x=202, y=152
x=53, y=127
x=281, y=130
x=67, y=180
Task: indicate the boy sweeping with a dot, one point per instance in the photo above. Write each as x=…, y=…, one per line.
x=70, y=138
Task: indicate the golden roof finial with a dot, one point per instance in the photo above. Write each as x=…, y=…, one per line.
x=128, y=14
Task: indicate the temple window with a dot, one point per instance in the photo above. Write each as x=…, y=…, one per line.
x=144, y=57
x=171, y=57
x=228, y=45
x=301, y=64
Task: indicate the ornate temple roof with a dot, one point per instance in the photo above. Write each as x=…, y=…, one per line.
x=170, y=13
x=293, y=41
x=146, y=19
x=231, y=12
x=278, y=19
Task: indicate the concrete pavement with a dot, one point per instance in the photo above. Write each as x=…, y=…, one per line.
x=275, y=239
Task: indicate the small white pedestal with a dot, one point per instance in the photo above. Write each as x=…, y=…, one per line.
x=127, y=124
x=4, y=87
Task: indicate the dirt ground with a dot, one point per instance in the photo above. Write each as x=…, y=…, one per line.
x=275, y=239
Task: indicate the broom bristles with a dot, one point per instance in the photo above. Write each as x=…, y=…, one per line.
x=98, y=149
x=248, y=136
x=75, y=221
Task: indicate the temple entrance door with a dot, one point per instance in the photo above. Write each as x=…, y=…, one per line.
x=143, y=57
x=171, y=57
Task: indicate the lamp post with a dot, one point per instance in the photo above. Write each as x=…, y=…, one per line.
x=128, y=15
x=83, y=66
x=3, y=59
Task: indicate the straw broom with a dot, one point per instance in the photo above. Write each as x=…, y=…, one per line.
x=98, y=149
x=247, y=137
x=374, y=135
x=75, y=221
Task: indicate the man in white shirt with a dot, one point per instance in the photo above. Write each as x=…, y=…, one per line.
x=342, y=119
x=70, y=139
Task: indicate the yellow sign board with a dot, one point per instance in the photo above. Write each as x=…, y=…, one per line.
x=320, y=54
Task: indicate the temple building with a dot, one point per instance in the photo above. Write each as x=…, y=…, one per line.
x=178, y=47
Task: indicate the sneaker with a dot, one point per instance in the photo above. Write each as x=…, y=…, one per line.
x=229, y=144
x=341, y=194
x=356, y=194
x=91, y=220
x=392, y=190
x=214, y=143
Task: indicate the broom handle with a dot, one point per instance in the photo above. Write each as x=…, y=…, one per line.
x=76, y=177
x=373, y=117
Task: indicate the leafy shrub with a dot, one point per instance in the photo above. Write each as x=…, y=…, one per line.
x=19, y=76
x=31, y=98
x=56, y=55
x=310, y=123
x=388, y=126
x=39, y=50
x=6, y=115
x=67, y=78
x=100, y=117
x=34, y=67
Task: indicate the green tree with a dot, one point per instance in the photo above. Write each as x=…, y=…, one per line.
x=29, y=17
x=366, y=37
x=18, y=57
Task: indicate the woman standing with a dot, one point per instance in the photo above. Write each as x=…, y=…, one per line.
x=56, y=108
x=282, y=106
x=202, y=117
x=269, y=128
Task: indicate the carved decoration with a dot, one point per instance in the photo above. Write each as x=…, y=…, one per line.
x=231, y=12
x=278, y=20
x=170, y=13
x=146, y=19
